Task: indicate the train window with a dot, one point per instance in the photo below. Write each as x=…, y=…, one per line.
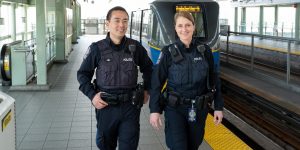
x=156, y=37
x=197, y=13
x=145, y=26
x=136, y=22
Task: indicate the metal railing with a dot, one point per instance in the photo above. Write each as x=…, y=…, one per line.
x=279, y=30
x=283, y=39
x=93, y=26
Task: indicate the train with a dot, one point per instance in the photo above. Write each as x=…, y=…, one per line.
x=154, y=27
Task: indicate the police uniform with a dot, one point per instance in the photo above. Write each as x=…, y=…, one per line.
x=189, y=79
x=116, y=74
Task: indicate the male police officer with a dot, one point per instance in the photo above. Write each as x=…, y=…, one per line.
x=114, y=93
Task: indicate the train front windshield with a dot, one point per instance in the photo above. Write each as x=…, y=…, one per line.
x=197, y=13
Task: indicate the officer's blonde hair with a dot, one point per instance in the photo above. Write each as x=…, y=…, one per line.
x=184, y=14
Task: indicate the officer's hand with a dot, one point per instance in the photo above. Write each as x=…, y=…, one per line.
x=218, y=116
x=146, y=97
x=98, y=102
x=155, y=120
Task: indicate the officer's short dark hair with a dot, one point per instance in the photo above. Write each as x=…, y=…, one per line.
x=117, y=8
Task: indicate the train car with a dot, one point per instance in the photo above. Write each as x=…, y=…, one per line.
x=154, y=26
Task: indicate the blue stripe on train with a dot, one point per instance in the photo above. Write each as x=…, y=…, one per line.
x=154, y=54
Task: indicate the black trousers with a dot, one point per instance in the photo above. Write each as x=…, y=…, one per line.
x=118, y=124
x=180, y=133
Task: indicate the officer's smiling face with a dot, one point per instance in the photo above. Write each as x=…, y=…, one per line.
x=184, y=29
x=117, y=24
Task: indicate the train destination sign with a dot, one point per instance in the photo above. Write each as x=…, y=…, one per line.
x=189, y=8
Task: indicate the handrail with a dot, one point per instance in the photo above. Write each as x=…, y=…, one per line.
x=22, y=49
x=288, y=54
x=265, y=36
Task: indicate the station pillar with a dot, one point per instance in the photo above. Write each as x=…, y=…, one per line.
x=275, y=30
x=297, y=22
x=60, y=30
x=13, y=22
x=261, y=20
x=41, y=42
x=243, y=20
x=236, y=14
x=74, y=23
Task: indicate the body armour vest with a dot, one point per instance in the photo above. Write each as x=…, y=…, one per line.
x=186, y=76
x=116, y=69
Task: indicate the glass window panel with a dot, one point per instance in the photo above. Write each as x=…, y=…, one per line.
x=6, y=14
x=31, y=22
x=20, y=22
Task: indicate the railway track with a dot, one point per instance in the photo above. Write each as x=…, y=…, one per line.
x=275, y=122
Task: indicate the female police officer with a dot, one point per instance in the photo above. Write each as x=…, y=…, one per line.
x=185, y=64
x=115, y=59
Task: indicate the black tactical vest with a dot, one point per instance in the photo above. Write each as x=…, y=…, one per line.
x=186, y=75
x=116, y=69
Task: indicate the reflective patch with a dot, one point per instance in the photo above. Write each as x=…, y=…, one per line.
x=108, y=60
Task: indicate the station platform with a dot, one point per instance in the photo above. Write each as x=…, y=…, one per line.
x=63, y=118
x=262, y=87
x=269, y=44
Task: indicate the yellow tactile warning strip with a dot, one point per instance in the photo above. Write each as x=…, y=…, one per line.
x=220, y=138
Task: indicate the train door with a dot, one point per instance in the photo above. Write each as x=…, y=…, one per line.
x=198, y=14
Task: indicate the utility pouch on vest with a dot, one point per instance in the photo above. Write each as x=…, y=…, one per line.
x=138, y=96
x=204, y=100
x=173, y=99
x=109, y=98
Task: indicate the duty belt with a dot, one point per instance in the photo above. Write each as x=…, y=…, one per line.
x=200, y=102
x=114, y=99
x=206, y=97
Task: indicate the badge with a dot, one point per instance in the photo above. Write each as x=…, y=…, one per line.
x=192, y=113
